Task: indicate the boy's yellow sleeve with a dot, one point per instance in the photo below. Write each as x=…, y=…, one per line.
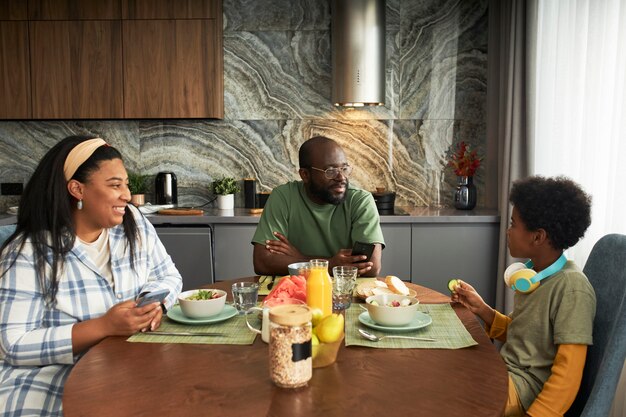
x=497, y=330
x=560, y=389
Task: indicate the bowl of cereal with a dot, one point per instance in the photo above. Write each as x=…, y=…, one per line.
x=391, y=309
x=200, y=304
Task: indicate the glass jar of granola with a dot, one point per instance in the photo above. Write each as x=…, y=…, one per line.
x=291, y=365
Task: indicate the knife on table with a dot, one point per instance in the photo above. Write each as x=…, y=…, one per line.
x=186, y=334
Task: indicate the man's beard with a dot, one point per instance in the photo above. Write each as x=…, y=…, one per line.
x=324, y=194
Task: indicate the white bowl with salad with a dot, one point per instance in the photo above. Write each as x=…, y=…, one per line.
x=391, y=309
x=200, y=304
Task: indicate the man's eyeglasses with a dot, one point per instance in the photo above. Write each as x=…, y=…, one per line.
x=332, y=173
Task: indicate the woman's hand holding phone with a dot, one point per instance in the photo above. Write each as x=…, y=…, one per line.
x=125, y=318
x=152, y=297
x=156, y=296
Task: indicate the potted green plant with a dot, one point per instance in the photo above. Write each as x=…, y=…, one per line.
x=138, y=186
x=225, y=189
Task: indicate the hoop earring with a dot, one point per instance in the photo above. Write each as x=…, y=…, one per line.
x=79, y=205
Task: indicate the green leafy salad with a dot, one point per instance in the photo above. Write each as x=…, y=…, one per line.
x=204, y=295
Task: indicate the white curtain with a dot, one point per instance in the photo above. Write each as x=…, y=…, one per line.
x=580, y=106
x=579, y=119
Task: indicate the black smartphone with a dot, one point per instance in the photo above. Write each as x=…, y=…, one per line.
x=152, y=297
x=361, y=248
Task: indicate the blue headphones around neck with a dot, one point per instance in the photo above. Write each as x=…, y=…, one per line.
x=522, y=278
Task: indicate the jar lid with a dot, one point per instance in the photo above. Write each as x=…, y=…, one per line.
x=290, y=315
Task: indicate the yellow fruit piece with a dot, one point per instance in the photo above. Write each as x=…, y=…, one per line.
x=330, y=328
x=317, y=316
x=315, y=345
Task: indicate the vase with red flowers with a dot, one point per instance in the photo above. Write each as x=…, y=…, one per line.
x=464, y=161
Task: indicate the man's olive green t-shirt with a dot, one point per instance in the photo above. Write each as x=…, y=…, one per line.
x=560, y=311
x=319, y=230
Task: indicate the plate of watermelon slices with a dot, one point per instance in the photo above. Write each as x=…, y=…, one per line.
x=287, y=288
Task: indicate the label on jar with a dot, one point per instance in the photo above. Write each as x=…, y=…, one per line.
x=300, y=351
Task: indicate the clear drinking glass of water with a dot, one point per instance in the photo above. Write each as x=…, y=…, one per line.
x=245, y=295
x=344, y=281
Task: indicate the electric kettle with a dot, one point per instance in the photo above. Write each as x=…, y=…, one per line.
x=165, y=188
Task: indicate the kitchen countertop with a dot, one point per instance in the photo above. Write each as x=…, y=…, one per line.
x=242, y=216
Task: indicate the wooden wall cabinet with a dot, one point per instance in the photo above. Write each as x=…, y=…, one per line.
x=15, y=100
x=74, y=9
x=111, y=59
x=76, y=69
x=13, y=10
x=172, y=9
x=173, y=69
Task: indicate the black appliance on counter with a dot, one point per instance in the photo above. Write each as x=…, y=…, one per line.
x=166, y=188
x=385, y=200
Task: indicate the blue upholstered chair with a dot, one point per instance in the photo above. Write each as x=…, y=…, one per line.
x=5, y=232
x=606, y=270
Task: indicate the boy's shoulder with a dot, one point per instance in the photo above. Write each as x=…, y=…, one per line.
x=560, y=286
x=575, y=276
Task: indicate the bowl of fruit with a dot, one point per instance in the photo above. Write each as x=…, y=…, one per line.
x=327, y=336
x=391, y=309
x=200, y=304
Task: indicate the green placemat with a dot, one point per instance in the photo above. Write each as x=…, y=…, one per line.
x=446, y=329
x=234, y=330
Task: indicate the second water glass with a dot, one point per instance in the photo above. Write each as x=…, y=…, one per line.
x=344, y=281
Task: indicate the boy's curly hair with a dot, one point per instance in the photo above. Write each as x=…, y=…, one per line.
x=558, y=205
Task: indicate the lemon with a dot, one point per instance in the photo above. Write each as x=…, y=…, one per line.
x=330, y=328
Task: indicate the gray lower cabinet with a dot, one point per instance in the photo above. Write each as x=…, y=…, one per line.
x=397, y=253
x=233, y=251
x=468, y=251
x=190, y=249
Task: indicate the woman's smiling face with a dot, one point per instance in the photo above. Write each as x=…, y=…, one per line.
x=105, y=195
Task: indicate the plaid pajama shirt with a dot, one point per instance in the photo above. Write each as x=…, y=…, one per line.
x=36, y=340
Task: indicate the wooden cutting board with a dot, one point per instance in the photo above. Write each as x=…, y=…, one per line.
x=181, y=212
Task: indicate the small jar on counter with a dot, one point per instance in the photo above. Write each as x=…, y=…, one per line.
x=291, y=364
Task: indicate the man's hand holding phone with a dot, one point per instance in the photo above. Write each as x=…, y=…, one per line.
x=361, y=249
x=366, y=249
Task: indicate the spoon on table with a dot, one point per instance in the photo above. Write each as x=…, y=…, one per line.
x=375, y=338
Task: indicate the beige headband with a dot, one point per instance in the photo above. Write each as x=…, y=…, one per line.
x=79, y=155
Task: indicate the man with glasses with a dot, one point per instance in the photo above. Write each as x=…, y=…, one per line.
x=319, y=217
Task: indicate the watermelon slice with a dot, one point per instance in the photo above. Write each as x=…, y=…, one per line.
x=293, y=286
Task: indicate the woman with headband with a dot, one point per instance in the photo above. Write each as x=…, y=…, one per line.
x=71, y=272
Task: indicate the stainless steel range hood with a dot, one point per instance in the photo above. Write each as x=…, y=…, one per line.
x=358, y=52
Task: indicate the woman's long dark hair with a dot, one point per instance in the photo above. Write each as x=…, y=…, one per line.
x=45, y=212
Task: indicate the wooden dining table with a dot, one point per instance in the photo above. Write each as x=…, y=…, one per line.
x=118, y=378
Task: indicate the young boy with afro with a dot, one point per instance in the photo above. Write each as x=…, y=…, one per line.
x=547, y=334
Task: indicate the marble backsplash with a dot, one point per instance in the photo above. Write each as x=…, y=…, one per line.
x=277, y=84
